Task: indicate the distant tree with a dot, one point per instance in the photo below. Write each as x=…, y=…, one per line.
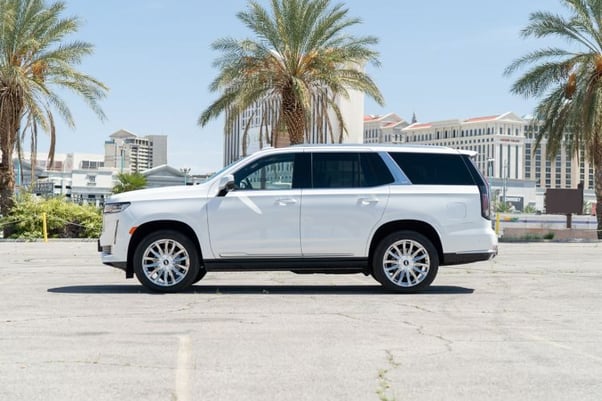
x=568, y=83
x=35, y=60
x=129, y=182
x=530, y=209
x=302, y=55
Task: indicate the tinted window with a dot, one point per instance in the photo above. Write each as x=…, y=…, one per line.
x=375, y=171
x=349, y=170
x=433, y=169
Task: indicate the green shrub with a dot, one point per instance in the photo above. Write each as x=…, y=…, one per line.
x=64, y=219
x=549, y=235
x=531, y=237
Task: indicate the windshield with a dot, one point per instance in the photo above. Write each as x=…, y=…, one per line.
x=234, y=163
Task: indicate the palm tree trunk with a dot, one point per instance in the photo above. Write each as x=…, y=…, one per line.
x=11, y=105
x=598, y=179
x=293, y=114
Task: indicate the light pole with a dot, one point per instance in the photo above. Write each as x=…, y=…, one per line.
x=490, y=168
x=505, y=182
x=186, y=171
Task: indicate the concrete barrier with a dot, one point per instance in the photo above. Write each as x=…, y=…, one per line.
x=547, y=226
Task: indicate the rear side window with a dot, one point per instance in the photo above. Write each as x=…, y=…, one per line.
x=349, y=170
x=433, y=169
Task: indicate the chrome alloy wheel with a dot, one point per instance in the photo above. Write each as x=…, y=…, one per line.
x=406, y=263
x=165, y=262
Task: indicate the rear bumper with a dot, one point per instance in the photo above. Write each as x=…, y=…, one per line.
x=463, y=258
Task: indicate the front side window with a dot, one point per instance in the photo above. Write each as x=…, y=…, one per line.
x=268, y=173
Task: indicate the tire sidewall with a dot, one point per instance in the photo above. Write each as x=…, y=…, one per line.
x=377, y=261
x=193, y=270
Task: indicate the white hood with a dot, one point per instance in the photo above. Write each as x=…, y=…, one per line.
x=163, y=193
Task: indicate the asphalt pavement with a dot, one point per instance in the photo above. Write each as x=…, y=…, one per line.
x=524, y=326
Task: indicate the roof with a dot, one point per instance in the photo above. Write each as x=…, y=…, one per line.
x=420, y=125
x=122, y=134
x=508, y=116
x=387, y=118
x=164, y=168
x=350, y=147
x=479, y=119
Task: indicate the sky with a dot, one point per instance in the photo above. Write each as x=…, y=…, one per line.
x=439, y=59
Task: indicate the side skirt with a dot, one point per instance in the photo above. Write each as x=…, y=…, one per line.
x=297, y=265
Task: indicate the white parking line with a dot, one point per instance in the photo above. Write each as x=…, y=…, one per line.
x=184, y=366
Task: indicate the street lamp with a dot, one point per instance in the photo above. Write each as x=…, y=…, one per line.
x=186, y=171
x=490, y=168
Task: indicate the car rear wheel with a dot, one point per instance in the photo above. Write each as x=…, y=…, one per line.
x=166, y=261
x=405, y=261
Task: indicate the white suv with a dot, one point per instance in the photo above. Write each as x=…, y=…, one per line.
x=395, y=212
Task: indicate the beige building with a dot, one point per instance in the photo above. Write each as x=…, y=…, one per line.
x=383, y=129
x=566, y=170
x=499, y=141
x=506, y=153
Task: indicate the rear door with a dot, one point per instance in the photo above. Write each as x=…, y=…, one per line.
x=345, y=201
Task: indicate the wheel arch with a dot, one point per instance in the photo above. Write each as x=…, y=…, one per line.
x=152, y=226
x=410, y=225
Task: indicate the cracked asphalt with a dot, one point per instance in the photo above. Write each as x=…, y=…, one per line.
x=524, y=326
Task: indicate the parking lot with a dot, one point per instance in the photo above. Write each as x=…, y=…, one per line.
x=525, y=326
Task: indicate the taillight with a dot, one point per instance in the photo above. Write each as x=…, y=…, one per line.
x=485, y=202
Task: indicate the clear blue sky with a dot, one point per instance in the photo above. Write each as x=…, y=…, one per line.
x=439, y=59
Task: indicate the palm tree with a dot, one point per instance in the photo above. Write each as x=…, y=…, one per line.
x=35, y=61
x=129, y=182
x=568, y=83
x=302, y=54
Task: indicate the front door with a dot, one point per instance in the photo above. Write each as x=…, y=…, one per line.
x=260, y=217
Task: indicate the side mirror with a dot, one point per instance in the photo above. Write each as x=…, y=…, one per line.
x=226, y=184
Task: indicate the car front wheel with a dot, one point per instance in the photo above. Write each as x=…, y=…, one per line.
x=166, y=261
x=405, y=261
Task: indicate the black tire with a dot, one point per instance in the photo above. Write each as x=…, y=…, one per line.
x=166, y=261
x=202, y=272
x=405, y=262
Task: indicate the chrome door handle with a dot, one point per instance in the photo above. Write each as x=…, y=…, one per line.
x=286, y=201
x=368, y=201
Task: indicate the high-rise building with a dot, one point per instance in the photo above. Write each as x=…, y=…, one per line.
x=254, y=127
x=566, y=170
x=130, y=153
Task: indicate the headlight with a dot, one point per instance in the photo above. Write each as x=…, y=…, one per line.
x=115, y=207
